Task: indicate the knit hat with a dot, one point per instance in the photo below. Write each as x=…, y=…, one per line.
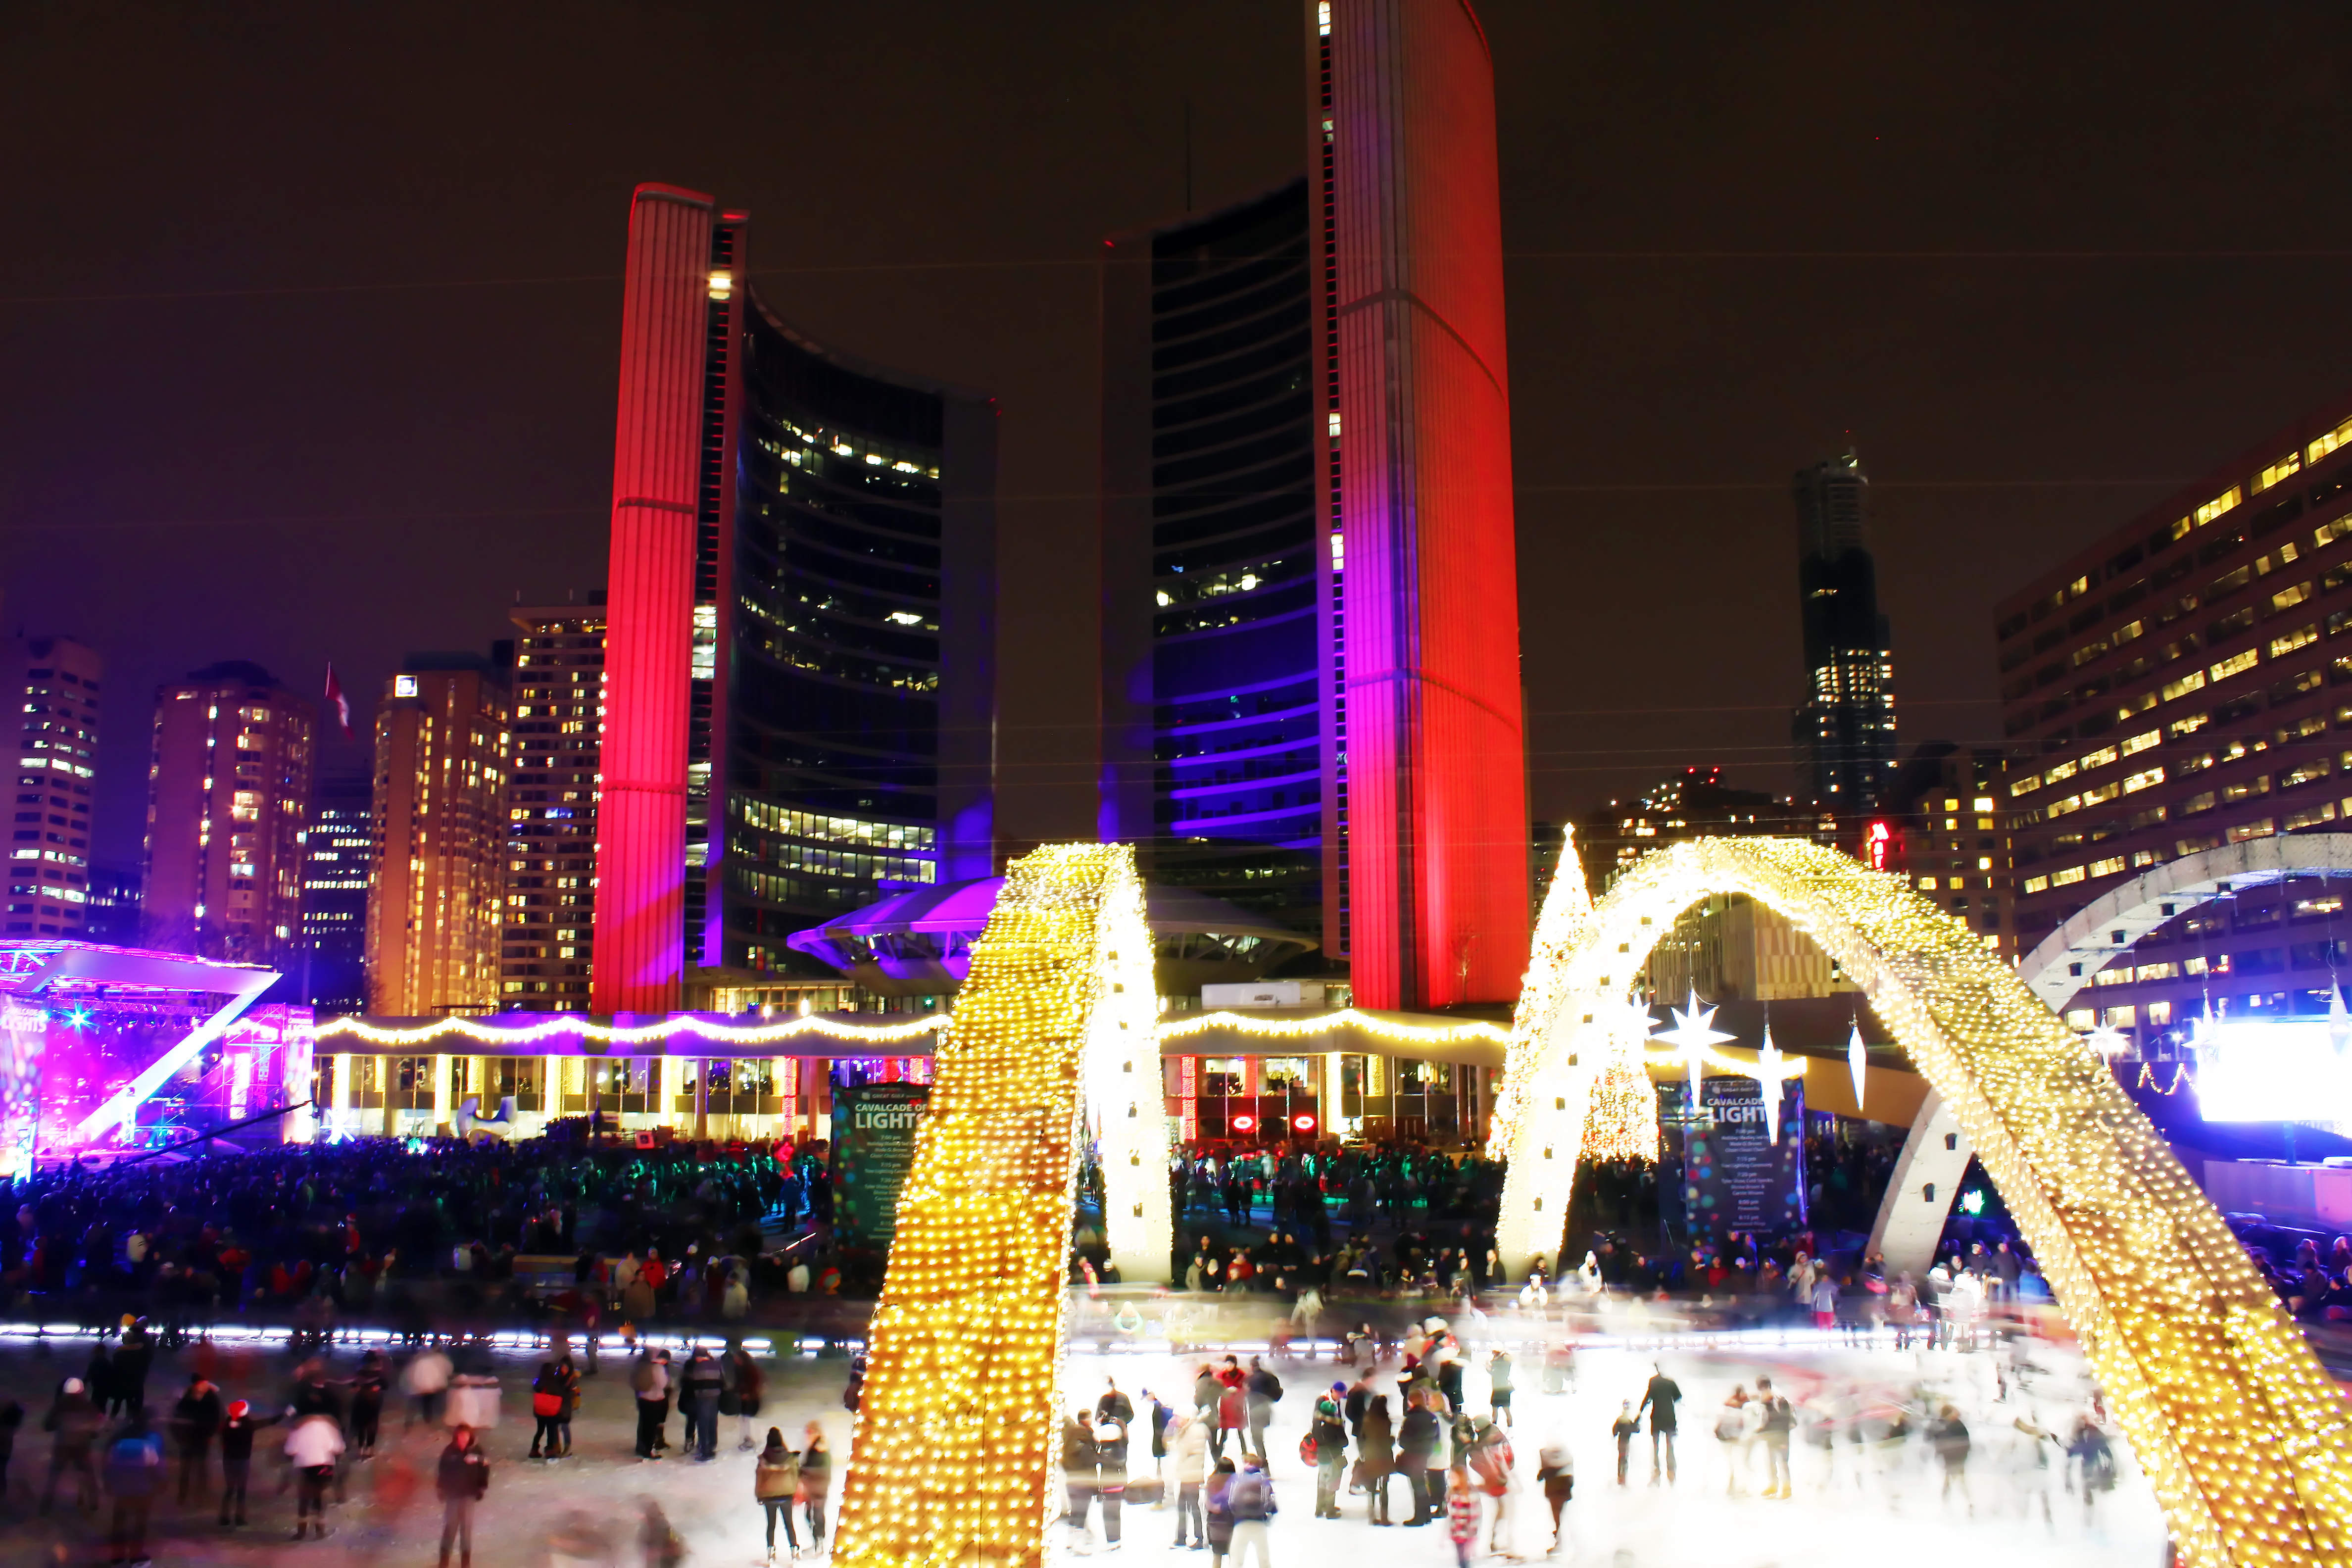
x=237, y=1409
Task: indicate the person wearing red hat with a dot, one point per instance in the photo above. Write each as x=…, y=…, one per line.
x=236, y=1430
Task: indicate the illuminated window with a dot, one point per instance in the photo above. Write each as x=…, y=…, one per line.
x=2067, y=878
x=2302, y=636
x=2289, y=465
x=2236, y=664
x=2135, y=782
x=2140, y=742
x=2218, y=505
x=2328, y=442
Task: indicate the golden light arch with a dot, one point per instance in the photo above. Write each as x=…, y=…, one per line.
x=2244, y=1437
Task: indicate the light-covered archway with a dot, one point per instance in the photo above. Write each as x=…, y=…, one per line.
x=2246, y=1439
x=952, y=1455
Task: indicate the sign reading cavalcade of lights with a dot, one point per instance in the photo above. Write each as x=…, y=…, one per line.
x=873, y=1149
x=1736, y=1175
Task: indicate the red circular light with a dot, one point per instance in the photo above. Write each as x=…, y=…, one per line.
x=1244, y=1124
x=1304, y=1123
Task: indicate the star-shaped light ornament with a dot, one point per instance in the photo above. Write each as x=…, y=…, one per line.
x=1857, y=1062
x=2340, y=1021
x=2108, y=1041
x=1767, y=1085
x=1693, y=1033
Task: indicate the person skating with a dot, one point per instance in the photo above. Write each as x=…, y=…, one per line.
x=743, y=1388
x=1659, y=1398
x=1556, y=1473
x=1416, y=1439
x=134, y=1460
x=546, y=1407
x=368, y=1385
x=1624, y=1429
x=1250, y=1501
x=775, y=1478
x=461, y=1481
x=236, y=1430
x=1462, y=1513
x=698, y=1393
x=1191, y=1449
x=1499, y=1384
x=816, y=1485
x=75, y=1419
x=194, y=1418
x=1110, y=1474
x=1376, y=1457
x=1328, y=1431
x=650, y=1381
x=313, y=1446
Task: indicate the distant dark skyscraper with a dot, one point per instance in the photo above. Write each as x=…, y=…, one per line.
x=336, y=853
x=1845, y=729
x=50, y=686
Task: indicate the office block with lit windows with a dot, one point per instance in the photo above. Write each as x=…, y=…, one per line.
x=2181, y=684
x=441, y=747
x=337, y=853
x=52, y=688
x=228, y=800
x=548, y=922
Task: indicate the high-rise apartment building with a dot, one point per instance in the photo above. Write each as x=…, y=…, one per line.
x=51, y=688
x=1939, y=827
x=228, y=799
x=1845, y=729
x=551, y=796
x=2184, y=683
x=113, y=916
x=441, y=738
x=1216, y=579
x=799, y=659
x=1310, y=587
x=338, y=853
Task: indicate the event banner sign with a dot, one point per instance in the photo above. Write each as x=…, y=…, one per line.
x=873, y=1149
x=1735, y=1175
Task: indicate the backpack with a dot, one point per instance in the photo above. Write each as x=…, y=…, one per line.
x=1248, y=1499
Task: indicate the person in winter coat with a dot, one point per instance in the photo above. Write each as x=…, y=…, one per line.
x=236, y=1430
x=774, y=1478
x=1556, y=1473
x=1110, y=1473
x=1191, y=1449
x=546, y=1410
x=816, y=1485
x=650, y=1381
x=194, y=1418
x=1330, y=1431
x=1079, y=1472
x=1249, y=1500
x=1417, y=1442
x=135, y=1461
x=1462, y=1515
x=699, y=1391
x=461, y=1481
x=312, y=1447
x=368, y=1385
x=1221, y=1517
x=1376, y=1457
x=426, y=1382
x=75, y=1421
x=744, y=1385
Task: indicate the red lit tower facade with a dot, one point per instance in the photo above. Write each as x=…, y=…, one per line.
x=670, y=468
x=1426, y=867
x=799, y=677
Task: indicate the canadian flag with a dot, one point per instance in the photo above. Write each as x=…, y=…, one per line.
x=342, y=703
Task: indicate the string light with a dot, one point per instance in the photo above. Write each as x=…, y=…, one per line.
x=705, y=1029
x=2245, y=1439
x=1387, y=1031
x=1623, y=1121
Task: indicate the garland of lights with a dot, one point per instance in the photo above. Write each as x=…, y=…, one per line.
x=1622, y=1124
x=2245, y=1439
x=1379, y=1028
x=474, y=1030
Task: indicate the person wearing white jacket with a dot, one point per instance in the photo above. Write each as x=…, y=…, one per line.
x=313, y=1446
x=1190, y=1450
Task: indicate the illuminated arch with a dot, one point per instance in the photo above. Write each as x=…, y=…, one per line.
x=2245, y=1438
x=952, y=1455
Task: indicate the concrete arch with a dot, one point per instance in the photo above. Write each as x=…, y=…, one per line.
x=1936, y=1154
x=2106, y=928
x=2246, y=1439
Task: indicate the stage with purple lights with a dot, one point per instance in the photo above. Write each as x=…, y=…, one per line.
x=105, y=1049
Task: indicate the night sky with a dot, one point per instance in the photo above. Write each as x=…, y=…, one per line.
x=309, y=315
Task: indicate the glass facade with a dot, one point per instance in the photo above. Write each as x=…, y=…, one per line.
x=1226, y=695
x=861, y=591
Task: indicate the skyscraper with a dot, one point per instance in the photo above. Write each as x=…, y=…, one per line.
x=1325, y=366
x=551, y=852
x=1216, y=577
x=1432, y=884
x=1845, y=729
x=441, y=746
x=228, y=798
x=51, y=689
x=799, y=672
x=337, y=853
